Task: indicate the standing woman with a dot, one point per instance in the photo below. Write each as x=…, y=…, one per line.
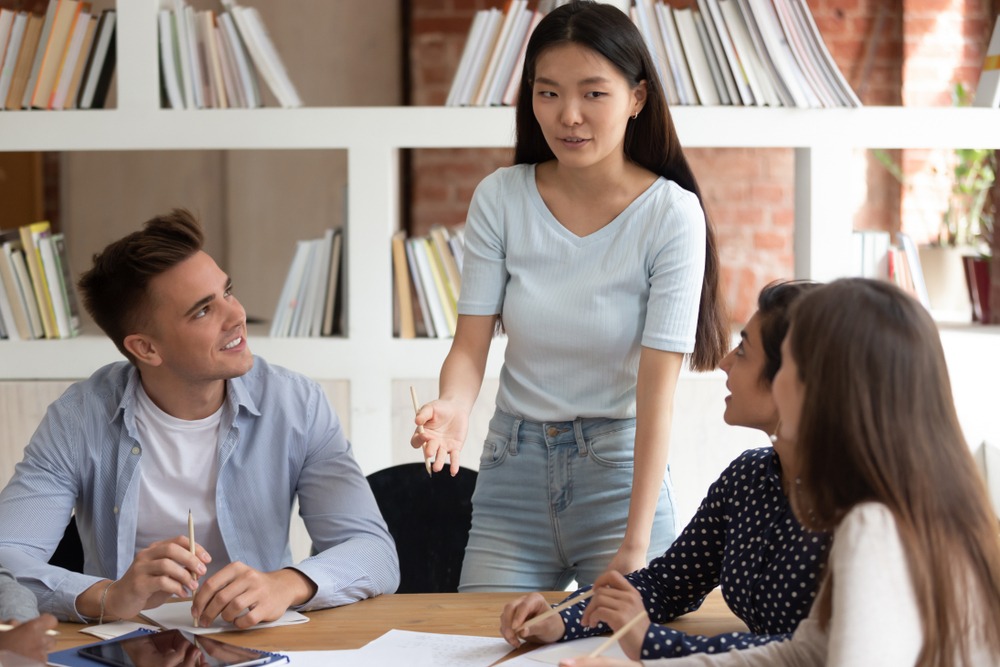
x=594, y=252
x=913, y=577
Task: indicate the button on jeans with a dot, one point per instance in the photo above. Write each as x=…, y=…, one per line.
x=551, y=504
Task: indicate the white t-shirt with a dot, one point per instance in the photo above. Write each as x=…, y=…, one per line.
x=578, y=309
x=179, y=469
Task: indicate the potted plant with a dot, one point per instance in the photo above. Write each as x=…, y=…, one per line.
x=956, y=262
x=970, y=218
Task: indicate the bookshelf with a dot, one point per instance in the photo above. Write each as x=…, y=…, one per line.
x=368, y=359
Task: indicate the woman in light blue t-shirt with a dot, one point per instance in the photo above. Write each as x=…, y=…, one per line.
x=594, y=252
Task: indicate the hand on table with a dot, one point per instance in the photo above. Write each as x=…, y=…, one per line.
x=245, y=597
x=516, y=612
x=29, y=638
x=445, y=426
x=162, y=570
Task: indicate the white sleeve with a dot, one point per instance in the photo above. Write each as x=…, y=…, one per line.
x=806, y=648
x=875, y=620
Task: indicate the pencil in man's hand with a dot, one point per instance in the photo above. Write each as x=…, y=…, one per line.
x=191, y=533
x=420, y=429
x=191, y=544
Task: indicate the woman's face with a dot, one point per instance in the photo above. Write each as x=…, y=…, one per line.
x=749, y=402
x=583, y=104
x=788, y=393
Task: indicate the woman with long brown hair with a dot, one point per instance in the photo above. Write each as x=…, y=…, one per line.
x=913, y=576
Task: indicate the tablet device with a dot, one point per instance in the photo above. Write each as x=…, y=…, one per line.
x=173, y=648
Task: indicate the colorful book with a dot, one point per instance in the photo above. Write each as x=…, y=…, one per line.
x=30, y=234
x=54, y=50
x=100, y=64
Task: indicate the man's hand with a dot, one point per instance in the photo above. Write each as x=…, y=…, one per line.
x=245, y=597
x=160, y=571
x=29, y=638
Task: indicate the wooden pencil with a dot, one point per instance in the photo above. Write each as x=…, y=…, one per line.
x=618, y=635
x=555, y=610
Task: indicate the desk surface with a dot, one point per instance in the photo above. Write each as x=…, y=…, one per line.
x=355, y=625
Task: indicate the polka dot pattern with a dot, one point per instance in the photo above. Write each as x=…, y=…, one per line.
x=743, y=538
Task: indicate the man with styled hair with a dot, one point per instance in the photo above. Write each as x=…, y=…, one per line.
x=192, y=421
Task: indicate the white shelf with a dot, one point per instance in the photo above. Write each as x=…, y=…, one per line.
x=369, y=358
x=382, y=128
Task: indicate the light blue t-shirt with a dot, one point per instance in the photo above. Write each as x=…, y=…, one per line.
x=577, y=310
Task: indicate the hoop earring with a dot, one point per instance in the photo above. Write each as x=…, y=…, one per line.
x=774, y=436
x=635, y=115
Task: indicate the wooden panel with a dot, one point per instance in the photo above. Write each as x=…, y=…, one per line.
x=21, y=189
x=22, y=405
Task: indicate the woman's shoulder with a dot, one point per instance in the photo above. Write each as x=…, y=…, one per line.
x=514, y=175
x=867, y=521
x=749, y=470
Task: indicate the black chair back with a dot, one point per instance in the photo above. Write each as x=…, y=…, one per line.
x=429, y=518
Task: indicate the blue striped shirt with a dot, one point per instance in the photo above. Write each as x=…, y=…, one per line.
x=279, y=439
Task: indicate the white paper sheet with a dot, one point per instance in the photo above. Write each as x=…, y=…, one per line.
x=116, y=629
x=426, y=649
x=553, y=653
x=178, y=615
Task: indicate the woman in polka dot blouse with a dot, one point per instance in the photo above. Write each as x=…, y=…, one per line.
x=879, y=459
x=743, y=538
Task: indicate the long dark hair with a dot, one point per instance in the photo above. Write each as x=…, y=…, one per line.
x=774, y=305
x=650, y=139
x=878, y=424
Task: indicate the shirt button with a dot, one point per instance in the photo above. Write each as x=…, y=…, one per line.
x=116, y=509
x=136, y=450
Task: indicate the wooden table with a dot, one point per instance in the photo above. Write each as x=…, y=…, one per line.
x=355, y=625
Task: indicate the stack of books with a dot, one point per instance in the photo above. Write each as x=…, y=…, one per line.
x=310, y=304
x=427, y=273
x=874, y=255
x=37, y=295
x=62, y=60
x=212, y=61
x=712, y=52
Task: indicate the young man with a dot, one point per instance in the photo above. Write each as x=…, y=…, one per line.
x=192, y=421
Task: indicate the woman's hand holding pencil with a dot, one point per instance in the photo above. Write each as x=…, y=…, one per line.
x=440, y=430
x=530, y=618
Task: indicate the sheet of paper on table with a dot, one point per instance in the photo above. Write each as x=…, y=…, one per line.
x=178, y=615
x=413, y=649
x=553, y=653
x=115, y=629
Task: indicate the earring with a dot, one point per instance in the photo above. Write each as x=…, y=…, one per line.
x=774, y=436
x=635, y=115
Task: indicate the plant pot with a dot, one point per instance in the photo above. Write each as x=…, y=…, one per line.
x=945, y=279
x=977, y=278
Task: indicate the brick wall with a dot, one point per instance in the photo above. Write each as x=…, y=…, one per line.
x=748, y=193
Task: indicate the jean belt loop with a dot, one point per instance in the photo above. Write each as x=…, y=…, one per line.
x=514, y=433
x=581, y=442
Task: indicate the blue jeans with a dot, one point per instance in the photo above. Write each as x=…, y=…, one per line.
x=551, y=504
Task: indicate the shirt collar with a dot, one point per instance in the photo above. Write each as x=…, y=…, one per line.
x=237, y=396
